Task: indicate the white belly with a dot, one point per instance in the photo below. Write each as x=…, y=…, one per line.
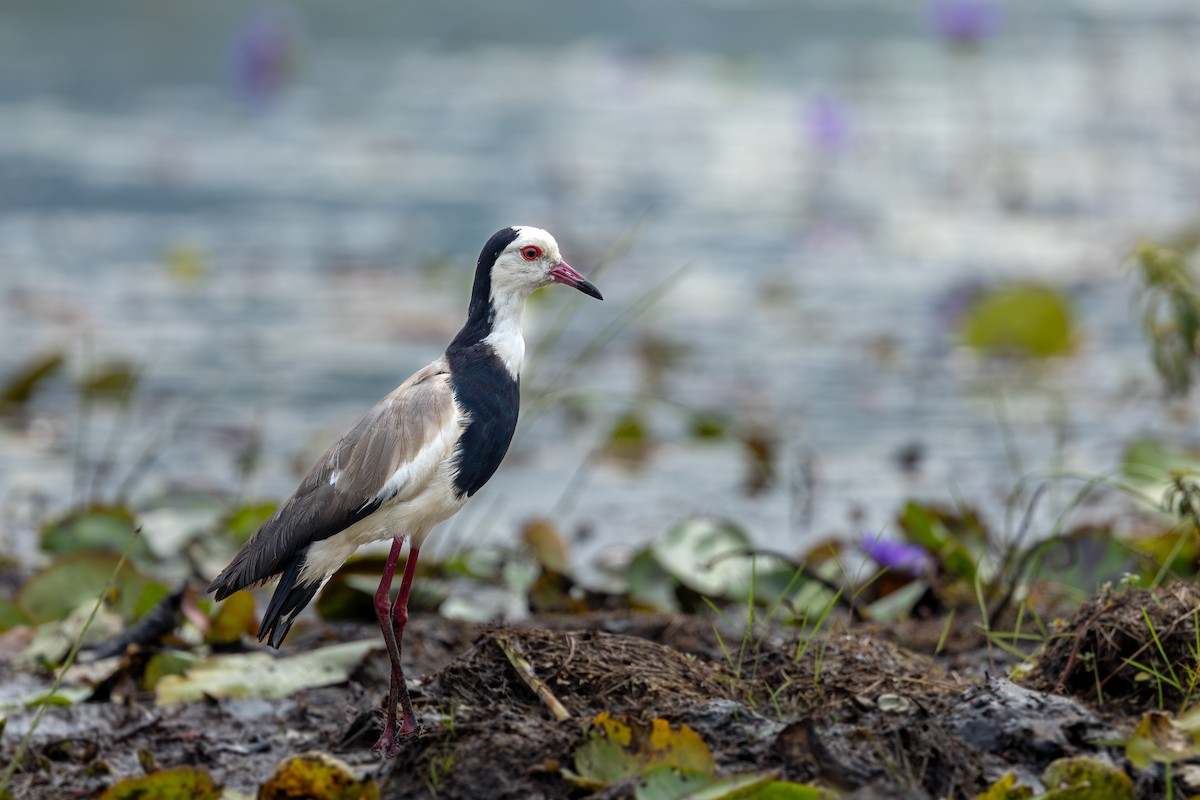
x=412, y=519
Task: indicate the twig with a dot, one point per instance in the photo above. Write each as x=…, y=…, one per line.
x=535, y=684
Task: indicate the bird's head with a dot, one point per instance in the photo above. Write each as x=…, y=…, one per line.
x=531, y=260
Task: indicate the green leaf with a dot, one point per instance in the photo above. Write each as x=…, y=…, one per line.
x=629, y=439
x=708, y=425
x=180, y=783
x=711, y=556
x=1007, y=788
x=20, y=387
x=674, y=783
x=112, y=382
x=1027, y=321
x=73, y=579
x=925, y=527
x=616, y=749
x=11, y=615
x=101, y=528
x=166, y=662
x=1083, y=778
x=245, y=520
x=648, y=584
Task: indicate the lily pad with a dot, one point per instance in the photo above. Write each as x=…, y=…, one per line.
x=113, y=382
x=710, y=556
x=1024, y=320
x=104, y=528
x=73, y=579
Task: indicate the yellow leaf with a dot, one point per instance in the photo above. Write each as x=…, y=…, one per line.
x=317, y=775
x=180, y=783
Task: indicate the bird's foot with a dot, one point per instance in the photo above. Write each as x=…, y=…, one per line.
x=392, y=741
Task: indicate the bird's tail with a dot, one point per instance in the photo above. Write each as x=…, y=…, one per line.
x=290, y=598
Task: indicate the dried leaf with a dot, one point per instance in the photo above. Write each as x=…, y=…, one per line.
x=260, y=675
x=1158, y=738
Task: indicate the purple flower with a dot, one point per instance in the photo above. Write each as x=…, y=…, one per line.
x=263, y=54
x=828, y=123
x=910, y=558
x=963, y=22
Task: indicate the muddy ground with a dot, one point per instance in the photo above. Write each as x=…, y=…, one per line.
x=863, y=710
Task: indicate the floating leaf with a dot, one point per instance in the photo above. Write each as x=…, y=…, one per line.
x=711, y=556
x=180, y=783
x=260, y=675
x=649, y=584
x=1027, y=321
x=318, y=775
x=113, y=382
x=1083, y=778
x=185, y=263
x=20, y=387
x=708, y=425
x=106, y=528
x=75, y=578
x=629, y=440
x=548, y=545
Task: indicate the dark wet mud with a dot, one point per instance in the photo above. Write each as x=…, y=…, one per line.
x=845, y=709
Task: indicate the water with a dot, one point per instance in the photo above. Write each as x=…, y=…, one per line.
x=831, y=180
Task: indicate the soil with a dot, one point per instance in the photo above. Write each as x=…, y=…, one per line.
x=850, y=709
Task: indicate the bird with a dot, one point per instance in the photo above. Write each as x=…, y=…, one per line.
x=409, y=463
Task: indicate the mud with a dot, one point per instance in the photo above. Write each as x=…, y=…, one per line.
x=846, y=710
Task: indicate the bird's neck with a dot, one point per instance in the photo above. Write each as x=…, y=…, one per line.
x=497, y=325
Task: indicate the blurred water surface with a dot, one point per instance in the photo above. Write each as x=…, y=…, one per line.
x=274, y=212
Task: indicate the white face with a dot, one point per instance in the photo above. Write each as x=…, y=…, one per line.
x=525, y=264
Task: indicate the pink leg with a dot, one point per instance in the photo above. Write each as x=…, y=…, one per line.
x=408, y=725
x=383, y=614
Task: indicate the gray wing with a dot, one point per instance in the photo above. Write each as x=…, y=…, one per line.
x=391, y=452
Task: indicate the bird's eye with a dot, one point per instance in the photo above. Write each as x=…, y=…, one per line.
x=531, y=252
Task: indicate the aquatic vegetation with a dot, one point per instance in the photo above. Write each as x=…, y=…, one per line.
x=1169, y=293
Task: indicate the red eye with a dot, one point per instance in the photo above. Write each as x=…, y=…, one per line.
x=531, y=252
